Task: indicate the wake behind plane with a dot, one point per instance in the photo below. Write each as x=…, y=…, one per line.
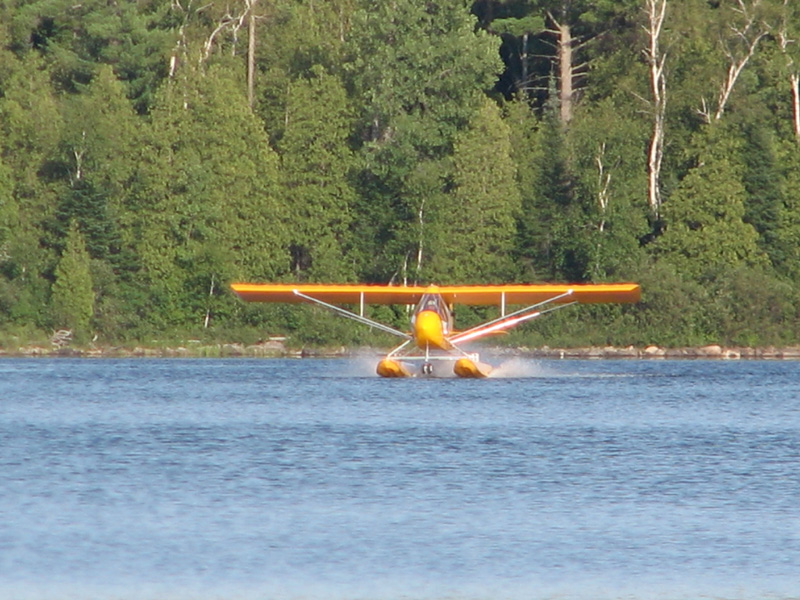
x=433, y=344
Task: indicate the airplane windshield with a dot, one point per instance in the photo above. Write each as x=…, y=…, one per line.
x=433, y=302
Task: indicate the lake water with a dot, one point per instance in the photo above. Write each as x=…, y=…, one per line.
x=314, y=479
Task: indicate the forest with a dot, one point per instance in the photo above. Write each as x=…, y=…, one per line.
x=154, y=151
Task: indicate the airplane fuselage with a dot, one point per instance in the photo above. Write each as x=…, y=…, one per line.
x=431, y=323
x=429, y=332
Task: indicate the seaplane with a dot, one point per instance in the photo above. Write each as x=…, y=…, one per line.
x=432, y=344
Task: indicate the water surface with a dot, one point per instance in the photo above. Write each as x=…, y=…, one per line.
x=282, y=479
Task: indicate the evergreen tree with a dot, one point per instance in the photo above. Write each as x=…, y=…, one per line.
x=296, y=36
x=205, y=209
x=788, y=225
x=763, y=181
x=545, y=40
x=100, y=136
x=73, y=296
x=706, y=232
x=547, y=246
x=134, y=38
x=30, y=127
x=316, y=165
x=608, y=150
x=528, y=156
x=8, y=210
x=480, y=213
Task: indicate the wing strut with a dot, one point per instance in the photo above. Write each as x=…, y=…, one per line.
x=351, y=315
x=513, y=319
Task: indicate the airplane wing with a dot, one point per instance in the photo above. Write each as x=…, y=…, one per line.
x=464, y=294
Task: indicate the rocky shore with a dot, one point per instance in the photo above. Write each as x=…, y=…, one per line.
x=276, y=348
x=713, y=351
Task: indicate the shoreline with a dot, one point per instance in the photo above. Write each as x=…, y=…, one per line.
x=276, y=349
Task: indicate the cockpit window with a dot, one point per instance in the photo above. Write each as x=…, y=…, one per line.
x=434, y=303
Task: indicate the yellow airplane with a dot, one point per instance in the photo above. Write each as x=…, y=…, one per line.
x=432, y=339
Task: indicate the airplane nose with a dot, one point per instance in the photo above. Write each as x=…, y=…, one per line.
x=428, y=331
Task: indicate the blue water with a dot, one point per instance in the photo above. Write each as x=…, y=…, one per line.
x=313, y=479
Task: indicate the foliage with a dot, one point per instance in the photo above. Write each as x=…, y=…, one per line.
x=478, y=217
x=316, y=165
x=73, y=295
x=405, y=142
x=707, y=231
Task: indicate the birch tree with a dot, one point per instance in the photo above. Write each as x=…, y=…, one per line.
x=655, y=14
x=789, y=24
x=742, y=32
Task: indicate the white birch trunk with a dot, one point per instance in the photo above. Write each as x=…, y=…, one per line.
x=565, y=72
x=251, y=53
x=656, y=13
x=795, y=80
x=749, y=34
x=784, y=41
x=603, y=186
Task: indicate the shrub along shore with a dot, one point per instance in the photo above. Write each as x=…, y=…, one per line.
x=278, y=349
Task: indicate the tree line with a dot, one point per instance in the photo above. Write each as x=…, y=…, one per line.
x=152, y=152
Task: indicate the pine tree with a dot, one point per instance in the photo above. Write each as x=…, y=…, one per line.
x=135, y=38
x=9, y=213
x=73, y=297
x=546, y=244
x=30, y=126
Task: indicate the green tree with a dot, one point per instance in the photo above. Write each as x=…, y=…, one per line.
x=546, y=40
x=205, y=208
x=480, y=213
x=706, y=231
x=295, y=36
x=9, y=213
x=30, y=126
x=134, y=38
x=763, y=181
x=99, y=141
x=73, y=296
x=788, y=225
x=417, y=71
x=316, y=164
x=547, y=247
x=607, y=147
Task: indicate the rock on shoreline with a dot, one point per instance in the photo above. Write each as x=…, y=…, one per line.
x=713, y=351
x=275, y=348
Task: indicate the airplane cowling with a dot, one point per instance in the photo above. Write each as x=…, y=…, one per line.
x=466, y=368
x=429, y=331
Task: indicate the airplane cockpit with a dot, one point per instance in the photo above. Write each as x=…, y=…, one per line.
x=435, y=303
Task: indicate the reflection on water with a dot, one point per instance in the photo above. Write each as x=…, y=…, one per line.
x=201, y=479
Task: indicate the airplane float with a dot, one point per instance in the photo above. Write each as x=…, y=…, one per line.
x=432, y=339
